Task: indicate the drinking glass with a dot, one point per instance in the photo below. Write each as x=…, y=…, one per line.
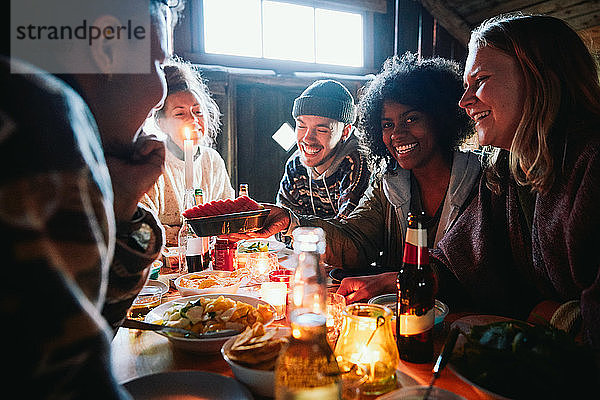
x=336, y=303
x=148, y=298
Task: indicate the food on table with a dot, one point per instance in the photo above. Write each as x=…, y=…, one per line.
x=214, y=314
x=211, y=281
x=521, y=361
x=221, y=207
x=148, y=298
x=253, y=247
x=257, y=347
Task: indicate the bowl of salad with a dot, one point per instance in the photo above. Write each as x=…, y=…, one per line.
x=249, y=246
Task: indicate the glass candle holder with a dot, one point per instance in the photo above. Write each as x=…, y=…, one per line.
x=281, y=275
x=275, y=293
x=148, y=298
x=336, y=304
x=261, y=264
x=366, y=343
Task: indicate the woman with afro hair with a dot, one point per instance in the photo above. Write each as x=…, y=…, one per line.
x=410, y=128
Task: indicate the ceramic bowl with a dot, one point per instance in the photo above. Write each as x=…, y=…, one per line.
x=190, y=291
x=260, y=382
x=211, y=345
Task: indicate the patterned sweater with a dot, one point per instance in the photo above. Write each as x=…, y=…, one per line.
x=70, y=277
x=335, y=193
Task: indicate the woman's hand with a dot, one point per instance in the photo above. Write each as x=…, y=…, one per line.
x=362, y=288
x=278, y=220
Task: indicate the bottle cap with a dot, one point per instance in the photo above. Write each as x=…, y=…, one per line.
x=309, y=239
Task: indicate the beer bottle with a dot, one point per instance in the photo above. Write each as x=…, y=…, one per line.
x=415, y=288
x=198, y=196
x=206, y=241
x=190, y=245
x=243, y=190
x=306, y=367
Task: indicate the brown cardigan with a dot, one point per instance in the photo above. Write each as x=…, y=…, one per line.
x=507, y=269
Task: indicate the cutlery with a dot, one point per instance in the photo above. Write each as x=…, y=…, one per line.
x=442, y=359
x=134, y=324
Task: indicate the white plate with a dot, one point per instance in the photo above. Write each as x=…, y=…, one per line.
x=216, y=289
x=274, y=245
x=201, y=345
x=389, y=300
x=163, y=288
x=186, y=385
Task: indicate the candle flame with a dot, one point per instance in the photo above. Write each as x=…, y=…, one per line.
x=187, y=133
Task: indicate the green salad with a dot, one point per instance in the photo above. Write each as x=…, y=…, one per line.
x=255, y=247
x=521, y=361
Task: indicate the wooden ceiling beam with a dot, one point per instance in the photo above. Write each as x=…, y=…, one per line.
x=452, y=22
x=499, y=7
x=585, y=21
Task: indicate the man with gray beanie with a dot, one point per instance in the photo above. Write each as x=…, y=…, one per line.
x=327, y=175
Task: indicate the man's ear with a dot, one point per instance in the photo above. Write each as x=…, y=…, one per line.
x=346, y=131
x=106, y=48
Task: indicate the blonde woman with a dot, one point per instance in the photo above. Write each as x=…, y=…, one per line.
x=527, y=245
x=188, y=105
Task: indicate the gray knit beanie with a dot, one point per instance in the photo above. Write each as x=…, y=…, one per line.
x=326, y=98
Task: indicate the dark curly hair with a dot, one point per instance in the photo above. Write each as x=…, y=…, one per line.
x=432, y=86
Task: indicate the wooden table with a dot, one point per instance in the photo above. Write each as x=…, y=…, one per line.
x=136, y=353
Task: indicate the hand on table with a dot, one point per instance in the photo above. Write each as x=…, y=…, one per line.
x=278, y=220
x=362, y=288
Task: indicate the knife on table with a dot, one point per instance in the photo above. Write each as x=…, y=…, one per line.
x=134, y=324
x=443, y=358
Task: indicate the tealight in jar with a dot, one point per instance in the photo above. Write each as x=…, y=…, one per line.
x=366, y=343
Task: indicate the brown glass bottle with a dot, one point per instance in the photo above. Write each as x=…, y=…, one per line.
x=415, y=288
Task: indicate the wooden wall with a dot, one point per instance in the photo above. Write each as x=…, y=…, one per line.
x=255, y=103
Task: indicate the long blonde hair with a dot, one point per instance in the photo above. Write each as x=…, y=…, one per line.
x=561, y=90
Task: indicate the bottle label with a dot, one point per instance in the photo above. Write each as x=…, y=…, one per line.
x=416, y=237
x=415, y=254
x=414, y=324
x=194, y=246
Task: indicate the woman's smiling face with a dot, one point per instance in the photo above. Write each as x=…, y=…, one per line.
x=408, y=135
x=182, y=110
x=494, y=95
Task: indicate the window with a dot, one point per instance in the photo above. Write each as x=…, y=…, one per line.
x=276, y=30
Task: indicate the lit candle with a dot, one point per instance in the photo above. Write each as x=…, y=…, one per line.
x=188, y=158
x=275, y=293
x=260, y=264
x=366, y=342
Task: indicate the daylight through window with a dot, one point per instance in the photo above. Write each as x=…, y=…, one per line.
x=283, y=31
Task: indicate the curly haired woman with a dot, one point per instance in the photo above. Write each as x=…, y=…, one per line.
x=411, y=129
